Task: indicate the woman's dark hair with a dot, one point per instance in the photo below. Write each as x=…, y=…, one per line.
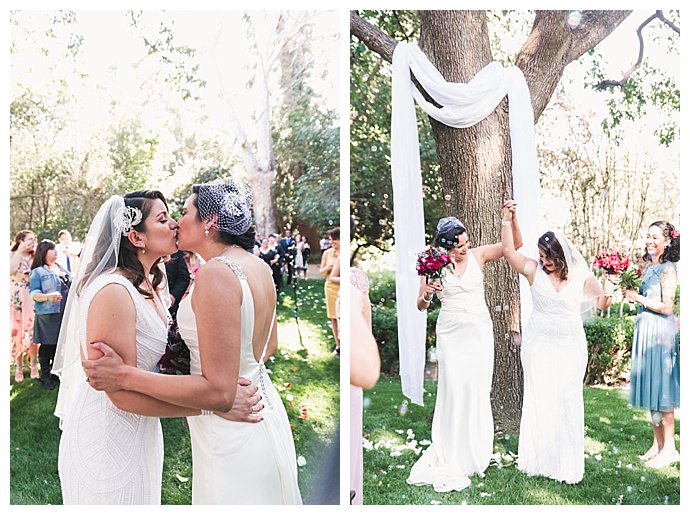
x=245, y=240
x=127, y=258
x=672, y=251
x=449, y=239
x=334, y=233
x=19, y=237
x=41, y=250
x=551, y=247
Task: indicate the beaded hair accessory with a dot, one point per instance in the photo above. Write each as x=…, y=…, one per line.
x=444, y=226
x=127, y=217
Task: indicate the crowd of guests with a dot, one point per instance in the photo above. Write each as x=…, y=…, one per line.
x=288, y=256
x=40, y=278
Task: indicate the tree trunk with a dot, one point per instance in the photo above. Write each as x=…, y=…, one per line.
x=476, y=172
x=264, y=210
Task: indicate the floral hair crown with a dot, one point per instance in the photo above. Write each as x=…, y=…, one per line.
x=127, y=217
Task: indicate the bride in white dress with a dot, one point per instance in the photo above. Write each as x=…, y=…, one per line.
x=111, y=449
x=228, y=322
x=462, y=429
x=554, y=355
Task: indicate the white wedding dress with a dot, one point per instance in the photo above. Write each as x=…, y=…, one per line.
x=110, y=456
x=554, y=359
x=241, y=462
x=462, y=430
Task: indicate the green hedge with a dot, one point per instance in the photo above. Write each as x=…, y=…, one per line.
x=609, y=340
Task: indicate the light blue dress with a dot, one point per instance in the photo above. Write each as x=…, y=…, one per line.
x=655, y=368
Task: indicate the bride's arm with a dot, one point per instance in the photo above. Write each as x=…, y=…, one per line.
x=493, y=252
x=216, y=301
x=521, y=264
x=111, y=317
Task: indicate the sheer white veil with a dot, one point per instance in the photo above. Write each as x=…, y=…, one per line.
x=578, y=270
x=99, y=254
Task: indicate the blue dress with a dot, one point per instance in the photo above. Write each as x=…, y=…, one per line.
x=655, y=369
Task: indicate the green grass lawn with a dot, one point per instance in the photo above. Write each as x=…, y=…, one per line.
x=305, y=373
x=615, y=436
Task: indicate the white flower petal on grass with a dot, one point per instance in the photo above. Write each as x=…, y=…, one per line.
x=425, y=442
x=301, y=461
x=629, y=466
x=399, y=431
x=484, y=494
x=181, y=479
x=289, y=397
x=597, y=457
x=435, y=502
x=400, y=466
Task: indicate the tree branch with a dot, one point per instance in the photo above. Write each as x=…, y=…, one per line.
x=594, y=27
x=373, y=37
x=660, y=15
x=608, y=83
x=551, y=46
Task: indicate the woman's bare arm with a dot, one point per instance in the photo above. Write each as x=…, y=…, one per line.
x=111, y=317
x=216, y=302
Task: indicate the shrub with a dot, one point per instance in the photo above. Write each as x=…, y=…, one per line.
x=384, y=321
x=609, y=342
x=382, y=288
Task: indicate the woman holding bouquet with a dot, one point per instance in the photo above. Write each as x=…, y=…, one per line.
x=655, y=374
x=553, y=355
x=462, y=429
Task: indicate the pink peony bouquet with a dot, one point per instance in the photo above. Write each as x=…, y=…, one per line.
x=432, y=263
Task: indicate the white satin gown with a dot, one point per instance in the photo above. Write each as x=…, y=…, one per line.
x=462, y=429
x=241, y=462
x=554, y=360
x=110, y=456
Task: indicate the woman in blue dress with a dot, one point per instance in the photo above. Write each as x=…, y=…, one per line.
x=655, y=370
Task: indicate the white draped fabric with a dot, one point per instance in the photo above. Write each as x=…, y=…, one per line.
x=463, y=105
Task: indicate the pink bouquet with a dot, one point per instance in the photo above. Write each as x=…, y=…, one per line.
x=432, y=263
x=612, y=262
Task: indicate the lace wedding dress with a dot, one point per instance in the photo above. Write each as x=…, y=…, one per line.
x=241, y=462
x=110, y=456
x=554, y=359
x=462, y=430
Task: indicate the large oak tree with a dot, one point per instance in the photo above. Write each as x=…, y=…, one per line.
x=476, y=162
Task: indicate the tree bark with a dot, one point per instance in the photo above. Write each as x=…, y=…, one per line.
x=476, y=174
x=264, y=209
x=475, y=163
